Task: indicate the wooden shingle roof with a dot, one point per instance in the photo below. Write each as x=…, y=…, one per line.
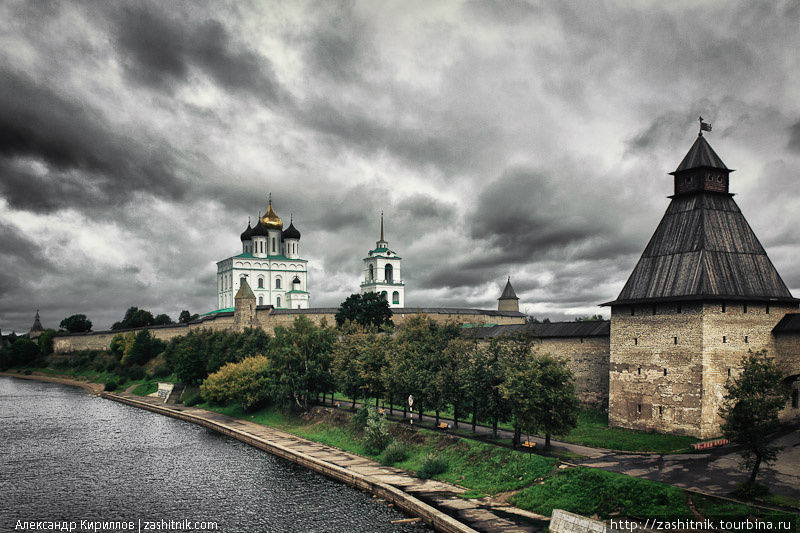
x=704, y=249
x=595, y=328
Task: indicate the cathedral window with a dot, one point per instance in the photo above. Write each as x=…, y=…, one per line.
x=260, y=283
x=371, y=272
x=262, y=247
x=273, y=245
x=296, y=281
x=278, y=302
x=388, y=275
x=383, y=295
x=277, y=283
x=260, y=300
x=395, y=297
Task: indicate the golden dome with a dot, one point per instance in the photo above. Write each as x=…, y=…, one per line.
x=270, y=220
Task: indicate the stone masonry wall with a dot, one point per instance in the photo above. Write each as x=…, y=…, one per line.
x=588, y=359
x=656, y=368
x=728, y=336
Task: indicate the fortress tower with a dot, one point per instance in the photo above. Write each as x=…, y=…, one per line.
x=703, y=293
x=382, y=273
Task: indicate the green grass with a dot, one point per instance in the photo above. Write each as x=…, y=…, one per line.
x=143, y=389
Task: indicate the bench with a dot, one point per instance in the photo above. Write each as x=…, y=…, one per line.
x=529, y=444
x=709, y=444
x=443, y=425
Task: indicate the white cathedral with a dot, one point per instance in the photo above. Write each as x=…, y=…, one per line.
x=270, y=262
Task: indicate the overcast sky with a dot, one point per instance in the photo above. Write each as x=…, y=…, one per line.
x=530, y=140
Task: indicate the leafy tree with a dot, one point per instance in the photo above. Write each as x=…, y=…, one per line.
x=76, y=324
x=117, y=345
x=140, y=348
x=453, y=377
x=750, y=410
x=542, y=396
x=367, y=310
x=592, y=318
x=347, y=365
x=248, y=383
x=300, y=359
x=186, y=317
x=162, y=320
x=45, y=341
x=135, y=318
x=22, y=351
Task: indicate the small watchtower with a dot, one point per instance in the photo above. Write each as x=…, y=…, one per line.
x=508, y=301
x=244, y=307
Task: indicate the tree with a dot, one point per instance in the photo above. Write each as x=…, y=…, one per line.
x=453, y=377
x=135, y=318
x=368, y=310
x=248, y=383
x=593, y=318
x=750, y=410
x=45, y=341
x=140, y=348
x=186, y=317
x=347, y=365
x=551, y=399
x=162, y=320
x=76, y=324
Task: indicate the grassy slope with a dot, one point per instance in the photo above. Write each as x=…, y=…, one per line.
x=488, y=469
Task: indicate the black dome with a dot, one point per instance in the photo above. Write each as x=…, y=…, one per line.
x=259, y=231
x=246, y=234
x=291, y=232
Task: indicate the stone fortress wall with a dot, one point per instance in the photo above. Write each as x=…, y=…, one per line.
x=268, y=318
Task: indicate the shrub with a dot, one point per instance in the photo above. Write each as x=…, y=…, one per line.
x=111, y=385
x=193, y=399
x=396, y=452
x=140, y=348
x=113, y=366
x=246, y=383
x=360, y=418
x=133, y=372
x=160, y=371
x=45, y=341
x=432, y=466
x=28, y=372
x=117, y=346
x=376, y=434
x=750, y=491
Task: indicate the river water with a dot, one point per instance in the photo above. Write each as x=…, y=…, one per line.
x=67, y=455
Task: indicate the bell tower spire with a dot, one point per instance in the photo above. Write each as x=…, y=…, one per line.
x=381, y=224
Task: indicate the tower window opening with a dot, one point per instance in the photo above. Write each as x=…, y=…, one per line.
x=371, y=272
x=724, y=309
x=640, y=371
x=636, y=341
x=746, y=339
x=665, y=371
x=724, y=339
x=633, y=310
x=388, y=273
x=639, y=408
x=680, y=309
x=675, y=340
x=262, y=247
x=660, y=410
x=654, y=309
x=744, y=308
x=766, y=309
x=729, y=372
x=581, y=340
x=273, y=245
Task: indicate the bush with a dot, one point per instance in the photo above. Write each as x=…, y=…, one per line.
x=111, y=385
x=133, y=372
x=376, y=434
x=432, y=466
x=396, y=452
x=360, y=418
x=750, y=491
x=160, y=371
x=193, y=399
x=113, y=366
x=45, y=341
x=140, y=348
x=28, y=372
x=246, y=383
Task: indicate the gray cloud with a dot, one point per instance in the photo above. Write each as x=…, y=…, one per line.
x=160, y=50
x=794, y=137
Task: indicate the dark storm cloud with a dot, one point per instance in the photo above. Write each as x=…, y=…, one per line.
x=338, y=45
x=160, y=50
x=794, y=137
x=56, y=153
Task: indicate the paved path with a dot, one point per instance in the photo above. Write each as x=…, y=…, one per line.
x=715, y=472
x=485, y=514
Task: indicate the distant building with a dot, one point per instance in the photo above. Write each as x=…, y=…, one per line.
x=382, y=273
x=508, y=300
x=270, y=262
x=37, y=328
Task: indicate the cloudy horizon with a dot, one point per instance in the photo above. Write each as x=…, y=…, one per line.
x=530, y=140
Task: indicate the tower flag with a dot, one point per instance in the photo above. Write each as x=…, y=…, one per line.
x=704, y=126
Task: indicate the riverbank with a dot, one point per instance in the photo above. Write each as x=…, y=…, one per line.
x=94, y=388
x=435, y=502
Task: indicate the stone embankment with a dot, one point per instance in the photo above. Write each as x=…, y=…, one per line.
x=446, y=512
